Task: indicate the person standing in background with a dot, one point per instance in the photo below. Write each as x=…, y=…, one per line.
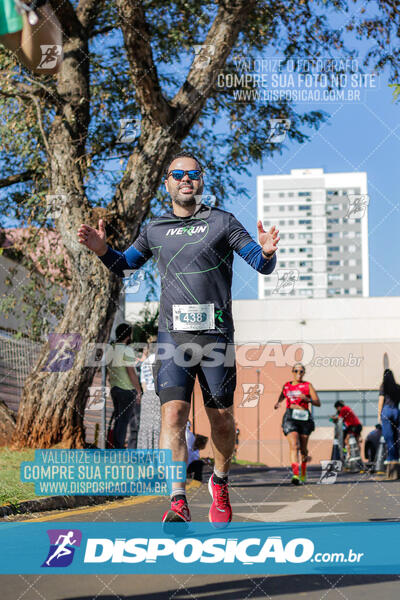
x=150, y=408
x=371, y=444
x=125, y=388
x=388, y=415
x=25, y=34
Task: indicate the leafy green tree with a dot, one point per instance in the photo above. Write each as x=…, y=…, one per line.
x=158, y=63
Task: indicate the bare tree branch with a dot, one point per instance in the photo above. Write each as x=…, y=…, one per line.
x=18, y=178
x=140, y=56
x=220, y=39
x=103, y=30
x=40, y=122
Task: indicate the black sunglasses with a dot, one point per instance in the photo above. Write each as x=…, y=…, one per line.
x=298, y=371
x=179, y=174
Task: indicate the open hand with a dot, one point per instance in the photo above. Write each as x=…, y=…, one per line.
x=268, y=240
x=94, y=239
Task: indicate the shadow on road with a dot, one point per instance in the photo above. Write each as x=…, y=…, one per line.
x=254, y=587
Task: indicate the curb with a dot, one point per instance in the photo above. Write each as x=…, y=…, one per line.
x=67, y=502
x=54, y=503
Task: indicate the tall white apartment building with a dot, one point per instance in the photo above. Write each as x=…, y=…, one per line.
x=323, y=224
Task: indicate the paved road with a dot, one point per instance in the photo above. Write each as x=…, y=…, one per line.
x=256, y=495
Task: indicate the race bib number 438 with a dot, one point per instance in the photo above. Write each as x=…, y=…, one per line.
x=191, y=317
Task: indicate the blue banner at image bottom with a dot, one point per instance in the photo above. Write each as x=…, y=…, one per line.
x=248, y=548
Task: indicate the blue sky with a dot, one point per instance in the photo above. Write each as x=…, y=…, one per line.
x=359, y=136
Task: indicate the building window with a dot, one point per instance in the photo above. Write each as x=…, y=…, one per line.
x=290, y=194
x=362, y=402
x=281, y=195
x=281, y=208
x=303, y=194
x=266, y=195
x=266, y=208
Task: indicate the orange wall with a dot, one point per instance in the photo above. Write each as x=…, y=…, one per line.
x=271, y=444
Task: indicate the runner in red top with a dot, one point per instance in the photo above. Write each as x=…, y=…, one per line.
x=297, y=422
x=351, y=422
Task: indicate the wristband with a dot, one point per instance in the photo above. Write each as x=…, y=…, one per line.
x=30, y=8
x=266, y=256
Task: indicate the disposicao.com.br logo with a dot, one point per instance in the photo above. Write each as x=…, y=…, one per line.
x=242, y=547
x=188, y=550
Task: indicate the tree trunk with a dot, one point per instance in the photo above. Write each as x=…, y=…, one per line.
x=52, y=405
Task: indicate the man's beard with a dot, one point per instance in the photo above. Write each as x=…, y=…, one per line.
x=190, y=201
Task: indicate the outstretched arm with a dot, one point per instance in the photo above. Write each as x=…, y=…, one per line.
x=260, y=256
x=117, y=262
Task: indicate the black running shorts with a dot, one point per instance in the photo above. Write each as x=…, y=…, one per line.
x=181, y=356
x=301, y=427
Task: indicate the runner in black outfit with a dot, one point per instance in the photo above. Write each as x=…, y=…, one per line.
x=193, y=246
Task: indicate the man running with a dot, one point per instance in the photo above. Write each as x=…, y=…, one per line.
x=193, y=246
x=298, y=423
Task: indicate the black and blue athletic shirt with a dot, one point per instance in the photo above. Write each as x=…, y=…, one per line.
x=194, y=256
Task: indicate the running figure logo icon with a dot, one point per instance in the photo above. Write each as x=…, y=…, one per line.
x=278, y=129
x=97, y=397
x=128, y=131
x=251, y=394
x=50, y=56
x=357, y=207
x=286, y=281
x=330, y=470
x=132, y=280
x=62, y=547
x=62, y=350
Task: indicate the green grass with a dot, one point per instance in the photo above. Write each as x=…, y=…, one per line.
x=12, y=490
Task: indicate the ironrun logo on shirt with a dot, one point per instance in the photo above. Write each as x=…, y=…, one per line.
x=190, y=230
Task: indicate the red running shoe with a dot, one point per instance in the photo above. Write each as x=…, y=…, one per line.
x=178, y=513
x=220, y=511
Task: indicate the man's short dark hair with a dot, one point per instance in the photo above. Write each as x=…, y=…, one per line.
x=339, y=403
x=184, y=154
x=123, y=331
